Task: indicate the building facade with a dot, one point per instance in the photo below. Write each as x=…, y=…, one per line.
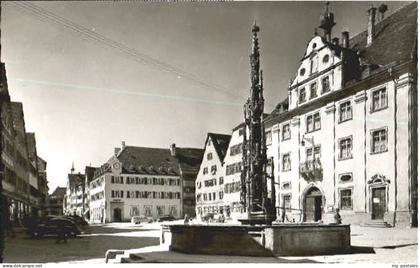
x=141, y=181
x=210, y=178
x=232, y=174
x=74, y=200
x=349, y=137
x=55, y=201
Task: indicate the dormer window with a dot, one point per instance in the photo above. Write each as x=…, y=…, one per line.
x=325, y=59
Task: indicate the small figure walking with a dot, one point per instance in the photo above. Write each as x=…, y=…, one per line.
x=337, y=216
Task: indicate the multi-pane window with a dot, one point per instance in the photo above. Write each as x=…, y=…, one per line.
x=117, y=179
x=117, y=194
x=236, y=149
x=220, y=180
x=313, y=122
x=286, y=201
x=205, y=171
x=346, y=199
x=209, y=156
x=286, y=162
x=160, y=210
x=312, y=91
x=134, y=211
x=325, y=84
x=379, y=141
x=221, y=195
x=302, y=95
x=147, y=211
x=345, y=149
x=286, y=132
x=346, y=112
x=313, y=153
x=379, y=99
x=214, y=195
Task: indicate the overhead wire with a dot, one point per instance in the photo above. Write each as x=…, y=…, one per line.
x=135, y=55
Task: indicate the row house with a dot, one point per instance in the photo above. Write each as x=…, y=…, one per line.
x=19, y=176
x=54, y=205
x=348, y=139
x=74, y=200
x=210, y=178
x=152, y=182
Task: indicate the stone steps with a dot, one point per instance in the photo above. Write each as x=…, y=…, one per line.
x=376, y=224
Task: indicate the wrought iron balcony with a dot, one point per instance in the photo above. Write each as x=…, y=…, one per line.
x=311, y=170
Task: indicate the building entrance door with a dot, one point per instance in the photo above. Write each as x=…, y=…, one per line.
x=313, y=205
x=378, y=203
x=117, y=215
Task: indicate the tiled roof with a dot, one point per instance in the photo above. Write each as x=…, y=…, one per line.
x=189, y=159
x=76, y=179
x=220, y=142
x=90, y=173
x=144, y=160
x=394, y=40
x=59, y=192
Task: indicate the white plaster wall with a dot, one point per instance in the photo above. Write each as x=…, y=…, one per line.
x=203, y=177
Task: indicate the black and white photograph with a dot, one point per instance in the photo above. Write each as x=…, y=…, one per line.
x=231, y=132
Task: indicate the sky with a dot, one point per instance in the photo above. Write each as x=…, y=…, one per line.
x=161, y=73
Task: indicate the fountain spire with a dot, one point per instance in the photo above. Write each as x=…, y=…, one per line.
x=254, y=157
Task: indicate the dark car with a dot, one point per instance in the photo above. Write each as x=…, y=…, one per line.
x=166, y=218
x=78, y=220
x=52, y=227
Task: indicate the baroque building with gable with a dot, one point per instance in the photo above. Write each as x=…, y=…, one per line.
x=348, y=138
x=143, y=181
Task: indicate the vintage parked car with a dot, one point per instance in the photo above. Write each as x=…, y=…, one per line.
x=78, y=220
x=141, y=219
x=52, y=226
x=166, y=218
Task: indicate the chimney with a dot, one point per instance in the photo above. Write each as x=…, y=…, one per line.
x=382, y=9
x=345, y=39
x=371, y=25
x=335, y=41
x=122, y=145
x=116, y=151
x=173, y=149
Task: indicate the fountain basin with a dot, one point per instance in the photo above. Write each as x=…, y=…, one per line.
x=243, y=240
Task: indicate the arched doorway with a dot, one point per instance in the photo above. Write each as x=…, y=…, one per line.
x=312, y=205
x=117, y=215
